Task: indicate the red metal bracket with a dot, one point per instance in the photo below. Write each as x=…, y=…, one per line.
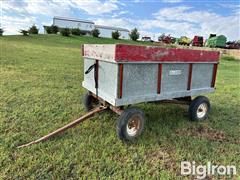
x=120, y=81
x=214, y=75
x=159, y=78
x=189, y=76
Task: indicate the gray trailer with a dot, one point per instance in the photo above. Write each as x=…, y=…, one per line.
x=121, y=75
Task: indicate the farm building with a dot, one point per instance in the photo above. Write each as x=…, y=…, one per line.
x=106, y=31
x=87, y=26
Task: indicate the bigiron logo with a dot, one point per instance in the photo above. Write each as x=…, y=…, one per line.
x=201, y=171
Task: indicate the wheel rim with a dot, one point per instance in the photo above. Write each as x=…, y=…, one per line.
x=202, y=110
x=133, y=125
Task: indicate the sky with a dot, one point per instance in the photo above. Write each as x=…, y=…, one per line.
x=150, y=17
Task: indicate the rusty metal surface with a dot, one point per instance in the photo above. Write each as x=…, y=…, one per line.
x=155, y=53
x=132, y=53
x=117, y=110
x=64, y=128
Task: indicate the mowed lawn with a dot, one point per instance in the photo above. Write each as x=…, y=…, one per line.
x=41, y=91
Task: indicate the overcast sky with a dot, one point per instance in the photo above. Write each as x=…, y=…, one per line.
x=151, y=17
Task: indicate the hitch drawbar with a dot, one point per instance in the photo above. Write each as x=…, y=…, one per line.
x=67, y=126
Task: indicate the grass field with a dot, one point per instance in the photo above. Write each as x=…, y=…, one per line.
x=41, y=90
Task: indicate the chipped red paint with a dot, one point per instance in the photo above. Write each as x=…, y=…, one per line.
x=159, y=82
x=128, y=53
x=120, y=81
x=189, y=77
x=214, y=75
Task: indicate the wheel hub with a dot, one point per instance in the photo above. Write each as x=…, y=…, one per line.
x=133, y=125
x=202, y=110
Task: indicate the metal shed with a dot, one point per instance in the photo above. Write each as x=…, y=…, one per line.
x=85, y=25
x=106, y=31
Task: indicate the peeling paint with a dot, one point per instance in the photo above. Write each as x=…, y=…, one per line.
x=133, y=53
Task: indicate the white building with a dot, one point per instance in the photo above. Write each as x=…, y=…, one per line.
x=84, y=25
x=87, y=26
x=106, y=31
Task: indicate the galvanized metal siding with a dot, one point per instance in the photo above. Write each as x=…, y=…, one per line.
x=139, y=79
x=201, y=75
x=73, y=24
x=89, y=78
x=107, y=80
x=107, y=33
x=172, y=81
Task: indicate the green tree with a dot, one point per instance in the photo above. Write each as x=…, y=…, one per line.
x=95, y=32
x=76, y=31
x=116, y=34
x=1, y=31
x=54, y=29
x=49, y=30
x=65, y=32
x=24, y=32
x=134, y=35
x=33, y=30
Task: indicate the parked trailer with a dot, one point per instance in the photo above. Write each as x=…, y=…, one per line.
x=121, y=75
x=217, y=41
x=166, y=39
x=233, y=45
x=197, y=41
x=183, y=40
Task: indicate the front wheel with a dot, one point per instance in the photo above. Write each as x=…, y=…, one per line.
x=130, y=124
x=199, y=108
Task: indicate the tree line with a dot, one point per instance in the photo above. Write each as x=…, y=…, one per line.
x=134, y=34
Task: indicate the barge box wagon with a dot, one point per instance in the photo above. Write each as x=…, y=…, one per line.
x=128, y=74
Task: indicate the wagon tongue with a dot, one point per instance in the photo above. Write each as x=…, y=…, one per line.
x=64, y=128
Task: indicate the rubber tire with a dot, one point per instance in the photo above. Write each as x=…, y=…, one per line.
x=194, y=106
x=88, y=101
x=123, y=121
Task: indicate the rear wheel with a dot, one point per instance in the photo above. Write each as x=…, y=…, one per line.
x=199, y=108
x=89, y=101
x=130, y=124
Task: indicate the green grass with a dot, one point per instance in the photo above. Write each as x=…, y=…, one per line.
x=41, y=90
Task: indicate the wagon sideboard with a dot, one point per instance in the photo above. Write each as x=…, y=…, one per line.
x=129, y=74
